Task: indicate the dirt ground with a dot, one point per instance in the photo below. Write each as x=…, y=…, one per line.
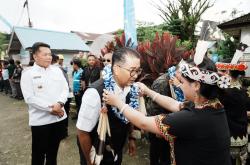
x=15, y=138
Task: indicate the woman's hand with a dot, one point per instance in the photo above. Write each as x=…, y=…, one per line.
x=143, y=89
x=174, y=81
x=111, y=99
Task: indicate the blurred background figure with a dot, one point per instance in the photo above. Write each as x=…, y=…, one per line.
x=5, y=75
x=57, y=62
x=11, y=67
x=107, y=59
x=60, y=62
x=77, y=90
x=91, y=72
x=81, y=55
x=1, y=77
x=31, y=63
x=17, y=78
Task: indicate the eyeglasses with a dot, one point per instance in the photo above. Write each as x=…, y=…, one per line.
x=132, y=72
x=106, y=60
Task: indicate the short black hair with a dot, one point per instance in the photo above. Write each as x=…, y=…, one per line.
x=120, y=54
x=35, y=47
x=234, y=73
x=77, y=62
x=18, y=62
x=55, y=58
x=31, y=63
x=11, y=61
x=245, y=82
x=5, y=63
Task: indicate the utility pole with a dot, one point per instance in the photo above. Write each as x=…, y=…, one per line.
x=26, y=4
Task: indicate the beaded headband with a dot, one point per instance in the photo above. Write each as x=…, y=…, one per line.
x=203, y=76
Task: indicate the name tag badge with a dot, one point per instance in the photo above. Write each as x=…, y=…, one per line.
x=36, y=77
x=38, y=83
x=40, y=87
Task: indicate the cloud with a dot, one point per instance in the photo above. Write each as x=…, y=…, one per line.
x=97, y=16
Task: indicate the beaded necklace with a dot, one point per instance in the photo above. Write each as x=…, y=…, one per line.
x=109, y=84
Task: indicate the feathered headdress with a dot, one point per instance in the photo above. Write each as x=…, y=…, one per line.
x=201, y=75
x=109, y=48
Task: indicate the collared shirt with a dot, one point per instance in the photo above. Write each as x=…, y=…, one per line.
x=90, y=108
x=42, y=88
x=5, y=74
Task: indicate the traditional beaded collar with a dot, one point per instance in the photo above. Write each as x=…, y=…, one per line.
x=109, y=84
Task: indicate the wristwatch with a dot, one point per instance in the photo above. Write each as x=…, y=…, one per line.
x=61, y=103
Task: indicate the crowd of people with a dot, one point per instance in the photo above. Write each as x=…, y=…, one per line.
x=209, y=127
x=10, y=76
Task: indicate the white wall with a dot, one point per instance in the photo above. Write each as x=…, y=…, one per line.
x=25, y=56
x=16, y=57
x=245, y=37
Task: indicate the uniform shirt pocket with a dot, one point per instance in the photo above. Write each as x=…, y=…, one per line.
x=38, y=84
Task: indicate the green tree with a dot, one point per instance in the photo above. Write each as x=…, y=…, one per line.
x=182, y=16
x=185, y=44
x=227, y=48
x=174, y=26
x=146, y=30
x=4, y=40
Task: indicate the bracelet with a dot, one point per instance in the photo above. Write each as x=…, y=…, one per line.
x=181, y=105
x=155, y=95
x=123, y=108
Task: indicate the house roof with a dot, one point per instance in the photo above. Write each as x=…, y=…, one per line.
x=90, y=36
x=237, y=22
x=87, y=36
x=57, y=40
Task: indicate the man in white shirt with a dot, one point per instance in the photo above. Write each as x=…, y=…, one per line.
x=45, y=90
x=125, y=68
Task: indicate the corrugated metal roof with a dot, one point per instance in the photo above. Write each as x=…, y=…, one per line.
x=56, y=40
x=87, y=36
x=237, y=22
x=90, y=36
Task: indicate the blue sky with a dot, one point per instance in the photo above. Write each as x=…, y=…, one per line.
x=97, y=16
